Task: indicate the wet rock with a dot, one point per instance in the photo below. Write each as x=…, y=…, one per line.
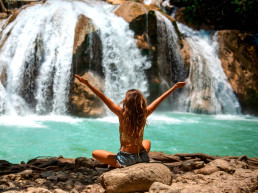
x=47, y=174
x=238, y=53
x=137, y=177
x=83, y=27
x=83, y=102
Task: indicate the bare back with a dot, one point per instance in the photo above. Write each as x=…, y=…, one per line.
x=129, y=143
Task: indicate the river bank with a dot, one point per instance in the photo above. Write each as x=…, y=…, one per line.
x=190, y=173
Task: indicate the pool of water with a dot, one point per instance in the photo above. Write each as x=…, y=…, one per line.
x=24, y=138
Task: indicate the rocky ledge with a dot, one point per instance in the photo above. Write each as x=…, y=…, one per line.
x=165, y=173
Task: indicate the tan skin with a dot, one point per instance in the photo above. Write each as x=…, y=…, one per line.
x=109, y=157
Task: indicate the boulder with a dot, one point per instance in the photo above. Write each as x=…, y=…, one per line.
x=83, y=27
x=138, y=177
x=131, y=10
x=83, y=102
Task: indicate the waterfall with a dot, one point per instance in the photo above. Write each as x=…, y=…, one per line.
x=36, y=52
x=122, y=61
x=208, y=89
x=169, y=60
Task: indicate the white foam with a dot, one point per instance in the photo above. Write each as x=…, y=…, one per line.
x=147, y=2
x=235, y=117
x=34, y=121
x=19, y=121
x=163, y=119
x=109, y=119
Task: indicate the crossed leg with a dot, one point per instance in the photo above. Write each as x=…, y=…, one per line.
x=109, y=157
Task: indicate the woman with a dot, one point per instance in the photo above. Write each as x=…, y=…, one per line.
x=132, y=119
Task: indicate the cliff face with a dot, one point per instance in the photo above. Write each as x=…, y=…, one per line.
x=239, y=58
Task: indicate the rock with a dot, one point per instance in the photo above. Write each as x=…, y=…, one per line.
x=3, y=15
x=85, y=162
x=214, y=166
x=238, y=52
x=83, y=102
x=164, y=158
x=74, y=191
x=61, y=176
x=222, y=165
x=37, y=190
x=83, y=27
x=40, y=181
x=59, y=191
x=238, y=164
x=190, y=165
x=157, y=187
x=93, y=188
x=47, y=174
x=26, y=174
x=115, y=2
x=131, y=10
x=138, y=177
x=207, y=170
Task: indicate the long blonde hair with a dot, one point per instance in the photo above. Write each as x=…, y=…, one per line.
x=134, y=112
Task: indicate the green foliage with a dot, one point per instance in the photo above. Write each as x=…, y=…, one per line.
x=238, y=13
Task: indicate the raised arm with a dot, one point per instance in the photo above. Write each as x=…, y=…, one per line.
x=156, y=103
x=110, y=104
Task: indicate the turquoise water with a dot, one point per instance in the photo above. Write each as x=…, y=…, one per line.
x=24, y=138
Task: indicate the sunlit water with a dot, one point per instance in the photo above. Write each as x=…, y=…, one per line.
x=24, y=138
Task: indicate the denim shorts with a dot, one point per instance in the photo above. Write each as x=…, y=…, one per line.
x=126, y=159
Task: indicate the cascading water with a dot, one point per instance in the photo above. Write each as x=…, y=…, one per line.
x=36, y=56
x=168, y=51
x=122, y=61
x=208, y=88
x=169, y=61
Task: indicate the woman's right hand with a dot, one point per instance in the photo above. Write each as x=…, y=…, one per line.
x=180, y=84
x=81, y=79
